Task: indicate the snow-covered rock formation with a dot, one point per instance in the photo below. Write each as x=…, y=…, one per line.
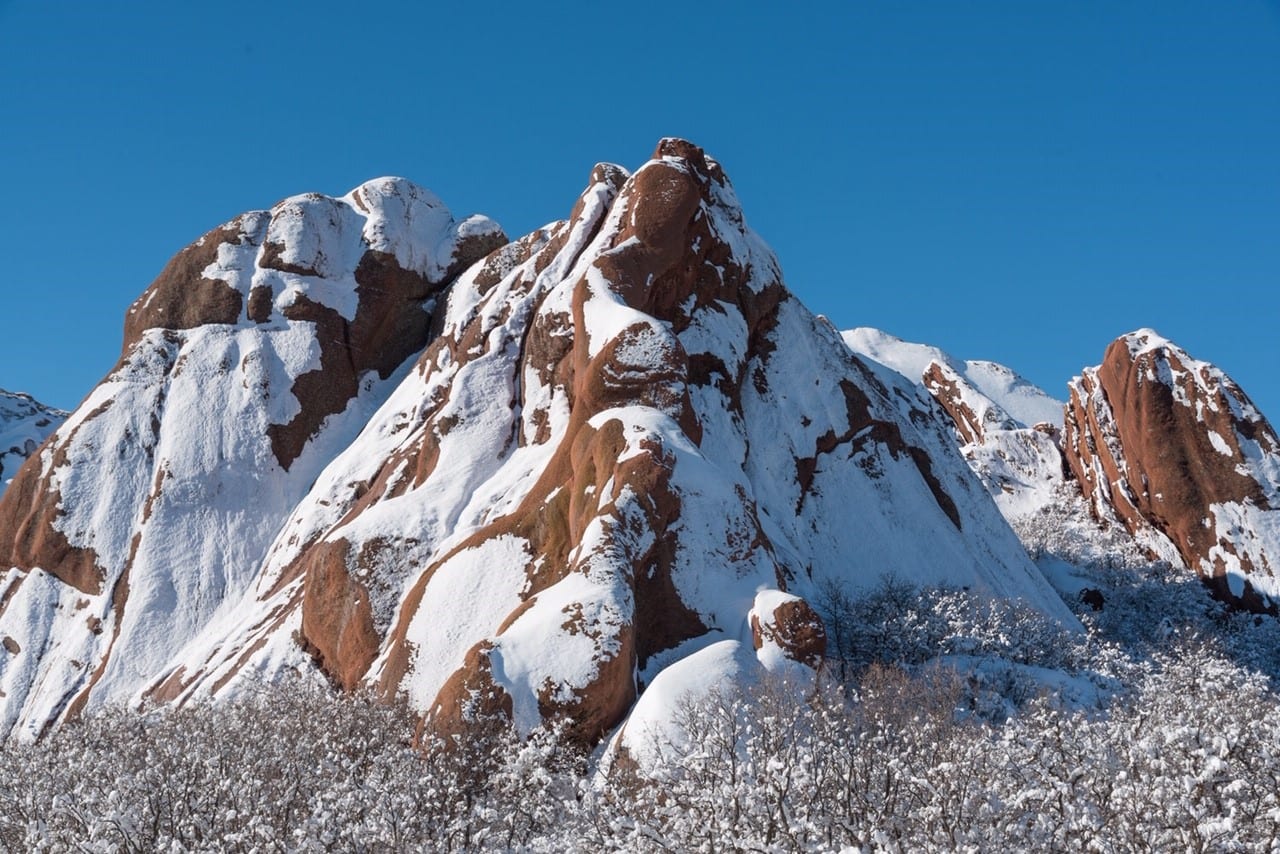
x=24, y=425
x=626, y=450
x=625, y=432
x=1008, y=429
x=1174, y=450
x=255, y=356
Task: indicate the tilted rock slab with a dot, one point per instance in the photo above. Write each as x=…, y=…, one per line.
x=1174, y=449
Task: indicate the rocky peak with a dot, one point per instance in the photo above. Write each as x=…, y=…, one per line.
x=256, y=354
x=621, y=440
x=627, y=449
x=1174, y=449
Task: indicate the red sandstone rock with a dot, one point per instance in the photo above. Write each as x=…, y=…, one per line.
x=1172, y=448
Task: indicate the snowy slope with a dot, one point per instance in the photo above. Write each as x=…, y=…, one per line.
x=1008, y=429
x=354, y=437
x=1023, y=401
x=24, y=425
x=254, y=357
x=626, y=434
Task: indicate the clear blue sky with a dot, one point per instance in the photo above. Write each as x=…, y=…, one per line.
x=1017, y=181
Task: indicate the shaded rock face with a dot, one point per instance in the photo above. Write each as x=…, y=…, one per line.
x=254, y=357
x=1173, y=448
x=626, y=429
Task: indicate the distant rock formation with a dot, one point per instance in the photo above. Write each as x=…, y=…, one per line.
x=1172, y=448
x=24, y=425
x=1008, y=429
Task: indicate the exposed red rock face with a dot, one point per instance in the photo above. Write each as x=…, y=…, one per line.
x=181, y=297
x=470, y=699
x=946, y=389
x=337, y=621
x=29, y=509
x=794, y=628
x=388, y=328
x=1175, y=450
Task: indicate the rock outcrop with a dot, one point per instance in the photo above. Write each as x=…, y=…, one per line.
x=626, y=430
x=1008, y=430
x=24, y=425
x=254, y=357
x=1174, y=450
x=623, y=449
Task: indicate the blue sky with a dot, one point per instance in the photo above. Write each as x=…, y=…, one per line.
x=1015, y=181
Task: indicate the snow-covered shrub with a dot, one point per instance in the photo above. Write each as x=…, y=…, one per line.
x=1182, y=753
x=288, y=768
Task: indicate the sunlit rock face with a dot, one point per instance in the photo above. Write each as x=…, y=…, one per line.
x=1174, y=449
x=256, y=355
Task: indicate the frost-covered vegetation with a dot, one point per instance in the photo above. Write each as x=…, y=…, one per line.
x=942, y=723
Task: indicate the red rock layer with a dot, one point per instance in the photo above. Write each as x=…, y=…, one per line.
x=1155, y=438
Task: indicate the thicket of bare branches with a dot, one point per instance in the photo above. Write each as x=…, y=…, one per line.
x=943, y=723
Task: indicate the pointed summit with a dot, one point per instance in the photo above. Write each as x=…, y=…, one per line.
x=619, y=444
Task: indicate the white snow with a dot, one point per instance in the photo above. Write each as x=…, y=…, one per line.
x=466, y=598
x=1020, y=467
x=653, y=729
x=1027, y=403
x=24, y=425
x=1219, y=444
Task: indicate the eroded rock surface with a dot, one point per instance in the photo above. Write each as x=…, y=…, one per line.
x=1172, y=448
